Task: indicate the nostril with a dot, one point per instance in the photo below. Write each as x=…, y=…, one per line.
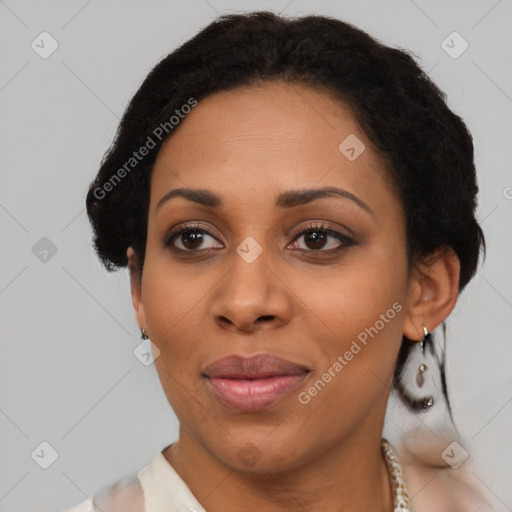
x=264, y=318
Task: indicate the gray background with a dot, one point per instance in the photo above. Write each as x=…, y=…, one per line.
x=68, y=375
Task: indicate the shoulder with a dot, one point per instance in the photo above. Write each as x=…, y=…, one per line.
x=86, y=506
x=442, y=489
x=435, y=486
x=125, y=495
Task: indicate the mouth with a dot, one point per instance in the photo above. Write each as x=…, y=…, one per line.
x=252, y=383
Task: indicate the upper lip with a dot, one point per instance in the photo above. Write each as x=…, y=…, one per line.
x=259, y=366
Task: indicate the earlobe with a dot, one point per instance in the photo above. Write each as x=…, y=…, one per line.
x=433, y=292
x=136, y=287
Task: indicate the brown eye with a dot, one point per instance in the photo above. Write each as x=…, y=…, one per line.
x=315, y=239
x=190, y=238
x=321, y=238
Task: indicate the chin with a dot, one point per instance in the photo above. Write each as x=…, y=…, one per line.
x=258, y=454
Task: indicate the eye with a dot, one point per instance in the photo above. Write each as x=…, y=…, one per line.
x=316, y=238
x=189, y=238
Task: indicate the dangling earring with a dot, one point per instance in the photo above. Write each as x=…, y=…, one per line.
x=418, y=376
x=143, y=335
x=420, y=380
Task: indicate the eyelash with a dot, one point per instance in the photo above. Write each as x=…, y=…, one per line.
x=346, y=241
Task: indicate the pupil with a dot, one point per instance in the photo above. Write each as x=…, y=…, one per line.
x=319, y=239
x=194, y=237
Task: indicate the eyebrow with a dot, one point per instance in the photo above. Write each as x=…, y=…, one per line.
x=288, y=199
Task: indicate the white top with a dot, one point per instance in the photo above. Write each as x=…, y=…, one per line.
x=159, y=488
x=155, y=488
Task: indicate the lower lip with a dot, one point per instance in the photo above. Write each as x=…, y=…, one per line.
x=252, y=395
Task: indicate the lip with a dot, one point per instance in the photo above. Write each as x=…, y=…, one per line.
x=253, y=383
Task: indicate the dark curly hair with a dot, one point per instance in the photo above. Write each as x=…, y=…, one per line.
x=427, y=148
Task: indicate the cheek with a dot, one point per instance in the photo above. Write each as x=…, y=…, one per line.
x=356, y=295
x=361, y=307
x=170, y=296
x=172, y=305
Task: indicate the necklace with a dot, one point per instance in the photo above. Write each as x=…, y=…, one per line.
x=396, y=477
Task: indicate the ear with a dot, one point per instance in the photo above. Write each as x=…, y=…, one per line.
x=433, y=292
x=136, y=287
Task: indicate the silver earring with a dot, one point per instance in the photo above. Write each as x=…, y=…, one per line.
x=420, y=379
x=143, y=335
x=418, y=374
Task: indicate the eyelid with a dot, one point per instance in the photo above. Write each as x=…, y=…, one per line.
x=325, y=226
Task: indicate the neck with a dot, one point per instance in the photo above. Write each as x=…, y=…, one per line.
x=351, y=476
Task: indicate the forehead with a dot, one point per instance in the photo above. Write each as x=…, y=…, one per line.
x=256, y=140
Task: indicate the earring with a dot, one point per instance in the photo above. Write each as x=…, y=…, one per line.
x=143, y=335
x=420, y=379
x=418, y=382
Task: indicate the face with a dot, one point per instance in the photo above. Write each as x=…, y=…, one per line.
x=313, y=285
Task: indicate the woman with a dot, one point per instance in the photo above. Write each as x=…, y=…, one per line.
x=295, y=203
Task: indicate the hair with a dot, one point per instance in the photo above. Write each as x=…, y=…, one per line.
x=427, y=148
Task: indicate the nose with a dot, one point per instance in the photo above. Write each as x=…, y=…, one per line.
x=252, y=296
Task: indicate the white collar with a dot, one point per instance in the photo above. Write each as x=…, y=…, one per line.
x=165, y=490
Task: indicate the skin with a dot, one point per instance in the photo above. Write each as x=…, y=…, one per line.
x=294, y=301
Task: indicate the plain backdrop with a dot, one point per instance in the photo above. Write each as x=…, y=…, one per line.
x=68, y=374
